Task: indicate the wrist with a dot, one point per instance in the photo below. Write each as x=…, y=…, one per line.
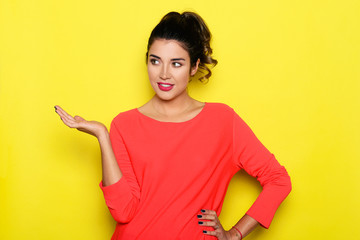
x=103, y=135
x=235, y=233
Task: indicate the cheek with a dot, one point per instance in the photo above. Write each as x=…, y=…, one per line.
x=184, y=76
x=151, y=73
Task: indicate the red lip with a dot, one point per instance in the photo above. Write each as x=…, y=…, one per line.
x=165, y=86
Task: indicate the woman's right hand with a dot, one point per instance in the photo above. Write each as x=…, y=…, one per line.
x=91, y=127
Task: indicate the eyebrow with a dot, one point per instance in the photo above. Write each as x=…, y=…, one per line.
x=173, y=59
x=178, y=59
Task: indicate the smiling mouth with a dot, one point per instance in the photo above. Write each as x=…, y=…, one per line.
x=165, y=86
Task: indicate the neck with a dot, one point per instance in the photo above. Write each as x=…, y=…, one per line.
x=172, y=107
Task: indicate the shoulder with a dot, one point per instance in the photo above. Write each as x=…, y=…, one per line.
x=219, y=113
x=219, y=108
x=125, y=117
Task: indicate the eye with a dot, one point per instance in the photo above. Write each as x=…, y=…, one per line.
x=154, y=61
x=177, y=64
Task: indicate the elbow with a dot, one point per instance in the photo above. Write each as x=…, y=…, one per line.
x=125, y=213
x=279, y=182
x=284, y=185
x=288, y=185
x=121, y=218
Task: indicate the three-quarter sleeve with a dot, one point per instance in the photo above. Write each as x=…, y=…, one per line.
x=122, y=197
x=251, y=155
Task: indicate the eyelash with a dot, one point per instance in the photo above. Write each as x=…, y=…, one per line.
x=156, y=62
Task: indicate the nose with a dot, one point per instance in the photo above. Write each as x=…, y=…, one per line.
x=165, y=73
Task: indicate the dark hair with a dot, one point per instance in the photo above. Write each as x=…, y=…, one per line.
x=190, y=30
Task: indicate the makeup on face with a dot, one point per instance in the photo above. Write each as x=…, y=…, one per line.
x=168, y=69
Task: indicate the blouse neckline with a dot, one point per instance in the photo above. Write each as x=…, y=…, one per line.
x=187, y=121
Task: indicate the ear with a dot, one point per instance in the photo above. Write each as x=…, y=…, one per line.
x=195, y=68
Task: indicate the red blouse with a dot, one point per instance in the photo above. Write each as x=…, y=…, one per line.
x=172, y=170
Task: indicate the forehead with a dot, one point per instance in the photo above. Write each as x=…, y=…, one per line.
x=168, y=49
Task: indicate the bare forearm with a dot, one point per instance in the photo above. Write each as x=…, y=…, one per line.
x=245, y=225
x=110, y=169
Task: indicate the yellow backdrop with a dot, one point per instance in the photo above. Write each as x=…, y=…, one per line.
x=289, y=68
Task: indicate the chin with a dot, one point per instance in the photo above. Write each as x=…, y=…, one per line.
x=170, y=95
x=165, y=98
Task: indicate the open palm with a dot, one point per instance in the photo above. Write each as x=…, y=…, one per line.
x=91, y=127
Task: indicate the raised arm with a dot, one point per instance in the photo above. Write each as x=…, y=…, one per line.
x=120, y=189
x=110, y=170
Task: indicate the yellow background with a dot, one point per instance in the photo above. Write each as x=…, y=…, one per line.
x=289, y=68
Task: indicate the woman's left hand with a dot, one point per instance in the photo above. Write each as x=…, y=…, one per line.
x=211, y=220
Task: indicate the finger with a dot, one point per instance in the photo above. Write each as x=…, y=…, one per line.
x=208, y=211
x=207, y=214
x=216, y=233
x=208, y=217
x=59, y=110
x=69, y=121
x=213, y=224
x=72, y=122
x=62, y=113
x=79, y=119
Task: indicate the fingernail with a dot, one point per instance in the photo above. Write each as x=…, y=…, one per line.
x=200, y=222
x=202, y=210
x=199, y=216
x=204, y=231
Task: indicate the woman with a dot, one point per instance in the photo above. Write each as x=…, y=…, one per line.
x=166, y=165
